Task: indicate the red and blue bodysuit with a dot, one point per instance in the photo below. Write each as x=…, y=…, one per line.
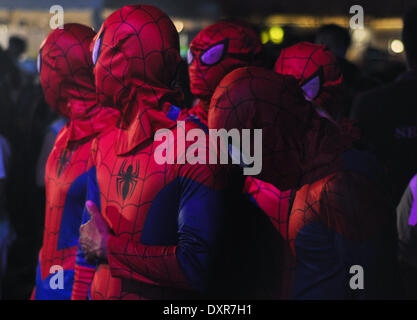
x=65, y=67
x=164, y=218
x=214, y=52
x=338, y=216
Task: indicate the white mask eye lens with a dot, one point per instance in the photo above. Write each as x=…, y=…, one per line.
x=96, y=49
x=213, y=55
x=38, y=62
x=190, y=57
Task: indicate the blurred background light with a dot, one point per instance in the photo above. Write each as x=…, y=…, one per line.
x=361, y=35
x=265, y=37
x=179, y=25
x=397, y=46
x=276, y=34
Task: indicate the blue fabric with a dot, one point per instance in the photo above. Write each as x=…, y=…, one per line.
x=69, y=231
x=198, y=122
x=363, y=163
x=324, y=259
x=5, y=155
x=68, y=237
x=188, y=214
x=161, y=225
x=45, y=292
x=57, y=125
x=173, y=113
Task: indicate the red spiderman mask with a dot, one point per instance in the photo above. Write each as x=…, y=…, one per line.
x=297, y=145
x=136, y=56
x=217, y=50
x=66, y=74
x=317, y=72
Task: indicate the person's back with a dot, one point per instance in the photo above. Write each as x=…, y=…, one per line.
x=338, y=40
x=388, y=120
x=387, y=117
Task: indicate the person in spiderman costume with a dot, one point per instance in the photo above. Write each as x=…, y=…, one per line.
x=318, y=73
x=339, y=216
x=66, y=76
x=154, y=225
x=213, y=53
x=320, y=78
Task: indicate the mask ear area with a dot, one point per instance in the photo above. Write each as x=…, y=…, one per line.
x=214, y=54
x=311, y=88
x=97, y=48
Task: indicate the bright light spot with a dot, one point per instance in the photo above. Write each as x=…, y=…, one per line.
x=179, y=25
x=264, y=37
x=361, y=35
x=397, y=46
x=276, y=34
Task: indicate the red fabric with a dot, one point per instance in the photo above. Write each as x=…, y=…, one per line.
x=304, y=60
x=82, y=281
x=304, y=145
x=136, y=63
x=32, y=295
x=68, y=83
x=336, y=212
x=137, y=60
x=273, y=202
x=354, y=208
x=135, y=270
x=243, y=48
x=143, y=258
x=197, y=111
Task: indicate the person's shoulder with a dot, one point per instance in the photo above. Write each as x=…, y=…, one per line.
x=352, y=205
x=376, y=93
x=378, y=99
x=392, y=89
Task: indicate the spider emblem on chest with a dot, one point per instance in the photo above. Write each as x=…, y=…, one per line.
x=127, y=179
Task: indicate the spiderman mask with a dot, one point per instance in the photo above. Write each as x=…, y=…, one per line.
x=217, y=50
x=66, y=75
x=317, y=72
x=296, y=143
x=136, y=57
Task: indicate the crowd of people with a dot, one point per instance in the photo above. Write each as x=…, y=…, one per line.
x=88, y=212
